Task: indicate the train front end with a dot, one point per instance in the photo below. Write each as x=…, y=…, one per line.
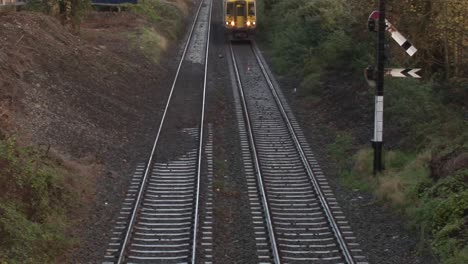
x=240, y=18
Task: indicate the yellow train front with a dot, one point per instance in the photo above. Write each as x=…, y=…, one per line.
x=240, y=18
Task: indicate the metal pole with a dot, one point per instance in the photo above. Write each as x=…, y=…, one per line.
x=379, y=98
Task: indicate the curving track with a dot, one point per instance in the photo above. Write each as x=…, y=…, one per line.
x=159, y=220
x=294, y=213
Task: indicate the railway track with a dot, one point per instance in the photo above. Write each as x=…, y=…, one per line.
x=159, y=219
x=295, y=215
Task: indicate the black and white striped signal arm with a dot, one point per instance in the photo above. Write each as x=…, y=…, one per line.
x=396, y=35
x=402, y=72
x=400, y=39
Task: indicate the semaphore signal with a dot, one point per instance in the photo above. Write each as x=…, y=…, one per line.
x=395, y=34
x=375, y=76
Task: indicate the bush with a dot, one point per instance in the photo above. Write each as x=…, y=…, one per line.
x=33, y=203
x=442, y=213
x=166, y=16
x=416, y=112
x=341, y=149
x=308, y=37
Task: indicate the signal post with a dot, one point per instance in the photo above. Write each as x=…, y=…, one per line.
x=378, y=23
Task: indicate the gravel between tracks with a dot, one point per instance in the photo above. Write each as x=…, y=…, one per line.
x=233, y=234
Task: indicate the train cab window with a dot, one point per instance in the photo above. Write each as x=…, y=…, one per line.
x=240, y=8
x=230, y=9
x=252, y=9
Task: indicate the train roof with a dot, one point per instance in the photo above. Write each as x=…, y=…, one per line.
x=239, y=0
x=114, y=2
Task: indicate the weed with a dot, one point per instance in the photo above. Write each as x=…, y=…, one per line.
x=341, y=148
x=165, y=16
x=149, y=42
x=165, y=21
x=33, y=206
x=311, y=85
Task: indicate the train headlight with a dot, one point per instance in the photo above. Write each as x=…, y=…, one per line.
x=248, y=23
x=227, y=23
x=233, y=23
x=253, y=23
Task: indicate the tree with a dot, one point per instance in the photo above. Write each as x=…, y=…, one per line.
x=70, y=11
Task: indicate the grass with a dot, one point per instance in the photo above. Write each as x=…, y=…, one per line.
x=149, y=42
x=165, y=17
x=164, y=22
x=435, y=208
x=34, y=202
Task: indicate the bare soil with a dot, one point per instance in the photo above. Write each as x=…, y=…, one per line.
x=93, y=99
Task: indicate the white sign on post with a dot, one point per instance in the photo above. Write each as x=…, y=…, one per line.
x=402, y=73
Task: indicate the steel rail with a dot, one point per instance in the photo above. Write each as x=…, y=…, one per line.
x=150, y=160
x=200, y=148
x=271, y=232
x=336, y=230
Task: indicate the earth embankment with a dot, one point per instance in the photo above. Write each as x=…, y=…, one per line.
x=89, y=103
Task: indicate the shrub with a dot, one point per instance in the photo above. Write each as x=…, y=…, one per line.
x=33, y=203
x=167, y=17
x=442, y=213
x=341, y=148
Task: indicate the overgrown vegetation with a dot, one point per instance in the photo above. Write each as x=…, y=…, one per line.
x=426, y=168
x=165, y=22
x=70, y=12
x=166, y=17
x=34, y=202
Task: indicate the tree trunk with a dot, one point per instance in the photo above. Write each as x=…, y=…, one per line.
x=446, y=45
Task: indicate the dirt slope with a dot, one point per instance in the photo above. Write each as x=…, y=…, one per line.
x=61, y=90
x=93, y=99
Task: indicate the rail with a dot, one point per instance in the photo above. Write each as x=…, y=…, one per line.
x=346, y=252
x=128, y=233
x=271, y=233
x=302, y=158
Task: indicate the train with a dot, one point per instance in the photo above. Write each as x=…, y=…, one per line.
x=240, y=18
x=113, y=2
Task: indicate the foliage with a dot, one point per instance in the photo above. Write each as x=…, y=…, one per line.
x=164, y=21
x=69, y=11
x=442, y=50
x=33, y=203
x=341, y=149
x=310, y=37
x=438, y=209
x=148, y=41
x=418, y=113
x=35, y=6
x=442, y=212
x=167, y=17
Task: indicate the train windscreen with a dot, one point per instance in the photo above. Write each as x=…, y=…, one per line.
x=252, y=9
x=240, y=9
x=229, y=9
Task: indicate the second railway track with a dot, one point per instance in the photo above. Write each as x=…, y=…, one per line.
x=295, y=215
x=159, y=219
